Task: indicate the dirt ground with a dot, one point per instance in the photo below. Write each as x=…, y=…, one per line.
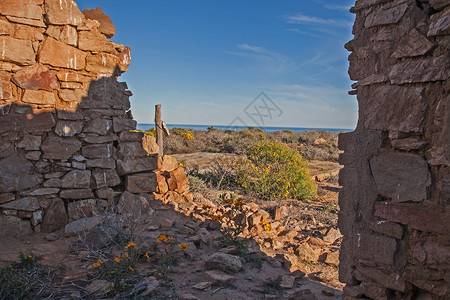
x=188, y=278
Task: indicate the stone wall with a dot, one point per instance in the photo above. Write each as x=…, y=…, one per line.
x=395, y=201
x=66, y=145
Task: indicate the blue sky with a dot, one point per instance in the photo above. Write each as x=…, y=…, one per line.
x=205, y=61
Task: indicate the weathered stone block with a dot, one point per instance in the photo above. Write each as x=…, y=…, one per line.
x=59, y=148
x=39, y=97
x=401, y=176
x=85, y=208
x=179, y=177
x=386, y=16
x=414, y=44
x=25, y=204
x=384, y=277
x=141, y=183
x=17, y=51
x=381, y=110
x=68, y=128
x=16, y=174
x=424, y=70
x=103, y=163
x=76, y=179
x=5, y=86
x=105, y=178
x=130, y=150
x=69, y=35
x=94, y=42
x=416, y=217
x=74, y=194
x=99, y=126
x=55, y=216
x=134, y=206
x=30, y=142
x=59, y=54
x=99, y=151
x=12, y=226
x=121, y=124
x=440, y=26
x=136, y=165
x=387, y=228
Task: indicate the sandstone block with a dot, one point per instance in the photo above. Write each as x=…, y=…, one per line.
x=62, y=12
x=7, y=197
x=124, y=59
x=106, y=25
x=416, y=217
x=305, y=252
x=5, y=29
x=440, y=26
x=104, y=193
x=150, y=146
x=141, y=183
x=29, y=9
x=142, y=164
x=39, y=97
x=80, y=225
x=69, y=35
x=75, y=194
x=387, y=228
x=35, y=77
x=73, y=77
x=385, y=277
x=105, y=178
x=16, y=174
x=179, y=177
x=59, y=54
x=5, y=86
x=94, y=42
x=69, y=115
x=162, y=184
x=17, y=51
x=43, y=191
x=55, y=216
x=59, y=148
x=401, y=176
x=103, y=63
x=167, y=163
x=131, y=136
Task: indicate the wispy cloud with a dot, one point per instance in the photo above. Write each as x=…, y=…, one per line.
x=333, y=6
x=300, y=18
x=268, y=61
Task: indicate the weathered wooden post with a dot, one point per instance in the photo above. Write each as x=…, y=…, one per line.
x=159, y=132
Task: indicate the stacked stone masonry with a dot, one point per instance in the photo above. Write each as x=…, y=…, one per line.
x=395, y=202
x=67, y=146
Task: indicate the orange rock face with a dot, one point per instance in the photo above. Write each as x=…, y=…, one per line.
x=17, y=51
x=59, y=54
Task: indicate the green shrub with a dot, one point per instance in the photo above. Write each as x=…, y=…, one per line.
x=196, y=184
x=273, y=170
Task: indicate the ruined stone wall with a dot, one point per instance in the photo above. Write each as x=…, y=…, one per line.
x=395, y=203
x=66, y=149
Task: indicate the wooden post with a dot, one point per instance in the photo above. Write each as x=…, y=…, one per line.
x=159, y=132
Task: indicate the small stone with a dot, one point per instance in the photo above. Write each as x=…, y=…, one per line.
x=97, y=287
x=188, y=297
x=77, y=179
x=80, y=225
x=202, y=286
x=106, y=25
x=287, y=282
x=35, y=77
x=55, y=216
x=25, y=204
x=224, y=262
x=332, y=235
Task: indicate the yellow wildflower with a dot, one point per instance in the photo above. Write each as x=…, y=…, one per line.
x=100, y=261
x=146, y=255
x=94, y=265
x=117, y=259
x=131, y=269
x=131, y=244
x=180, y=164
x=183, y=246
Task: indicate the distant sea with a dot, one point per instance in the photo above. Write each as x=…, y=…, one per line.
x=144, y=126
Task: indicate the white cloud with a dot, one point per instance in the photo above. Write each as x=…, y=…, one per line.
x=304, y=19
x=266, y=61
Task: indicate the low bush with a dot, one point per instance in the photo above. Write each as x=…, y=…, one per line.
x=273, y=170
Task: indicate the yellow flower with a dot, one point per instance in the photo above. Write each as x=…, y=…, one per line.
x=117, y=259
x=183, y=246
x=163, y=238
x=131, y=269
x=131, y=244
x=29, y=256
x=94, y=265
x=146, y=255
x=180, y=164
x=100, y=261
x=127, y=255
